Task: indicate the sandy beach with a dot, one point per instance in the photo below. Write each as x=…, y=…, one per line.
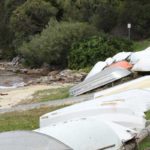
x=12, y=97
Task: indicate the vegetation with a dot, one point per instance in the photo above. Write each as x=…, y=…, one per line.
x=27, y=29
x=140, y=45
x=52, y=45
x=51, y=94
x=146, y=143
x=137, y=12
x=29, y=19
x=26, y=120
x=102, y=14
x=87, y=52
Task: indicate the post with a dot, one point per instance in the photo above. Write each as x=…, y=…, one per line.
x=129, y=30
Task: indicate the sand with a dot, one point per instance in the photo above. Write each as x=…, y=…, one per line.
x=12, y=97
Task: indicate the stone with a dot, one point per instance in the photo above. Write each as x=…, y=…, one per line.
x=53, y=73
x=16, y=60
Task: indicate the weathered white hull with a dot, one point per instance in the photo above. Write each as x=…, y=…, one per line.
x=104, y=77
x=89, y=133
x=140, y=83
x=29, y=140
x=126, y=108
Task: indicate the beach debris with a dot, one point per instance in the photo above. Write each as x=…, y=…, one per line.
x=3, y=94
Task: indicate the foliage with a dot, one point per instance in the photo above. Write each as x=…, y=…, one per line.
x=138, y=13
x=52, y=45
x=145, y=144
x=30, y=19
x=20, y=20
x=102, y=14
x=51, y=94
x=141, y=45
x=6, y=36
x=87, y=52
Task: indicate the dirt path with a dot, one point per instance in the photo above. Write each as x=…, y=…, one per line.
x=67, y=101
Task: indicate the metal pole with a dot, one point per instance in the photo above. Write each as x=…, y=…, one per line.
x=129, y=30
x=129, y=33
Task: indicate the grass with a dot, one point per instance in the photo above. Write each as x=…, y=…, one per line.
x=146, y=143
x=148, y=115
x=51, y=94
x=141, y=45
x=26, y=120
x=48, y=95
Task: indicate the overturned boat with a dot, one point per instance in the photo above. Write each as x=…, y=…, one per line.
x=139, y=83
x=125, y=108
x=29, y=140
x=90, y=133
x=104, y=77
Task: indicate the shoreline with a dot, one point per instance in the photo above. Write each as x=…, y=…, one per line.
x=12, y=97
x=18, y=84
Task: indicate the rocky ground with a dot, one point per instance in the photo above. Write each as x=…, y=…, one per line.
x=31, y=81
x=44, y=75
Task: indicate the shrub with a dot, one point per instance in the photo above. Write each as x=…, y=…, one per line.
x=87, y=52
x=52, y=45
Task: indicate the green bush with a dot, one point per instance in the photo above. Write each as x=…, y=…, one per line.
x=87, y=52
x=52, y=45
x=30, y=18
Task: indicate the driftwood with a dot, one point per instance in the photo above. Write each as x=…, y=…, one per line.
x=140, y=137
x=3, y=94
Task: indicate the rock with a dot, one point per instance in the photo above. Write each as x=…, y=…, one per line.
x=46, y=66
x=71, y=76
x=53, y=73
x=66, y=72
x=24, y=71
x=37, y=72
x=16, y=60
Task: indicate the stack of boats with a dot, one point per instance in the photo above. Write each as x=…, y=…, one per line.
x=113, y=118
x=112, y=69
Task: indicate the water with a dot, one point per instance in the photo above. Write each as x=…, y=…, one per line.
x=12, y=80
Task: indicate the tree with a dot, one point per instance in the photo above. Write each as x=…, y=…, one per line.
x=6, y=35
x=102, y=14
x=138, y=13
x=30, y=19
